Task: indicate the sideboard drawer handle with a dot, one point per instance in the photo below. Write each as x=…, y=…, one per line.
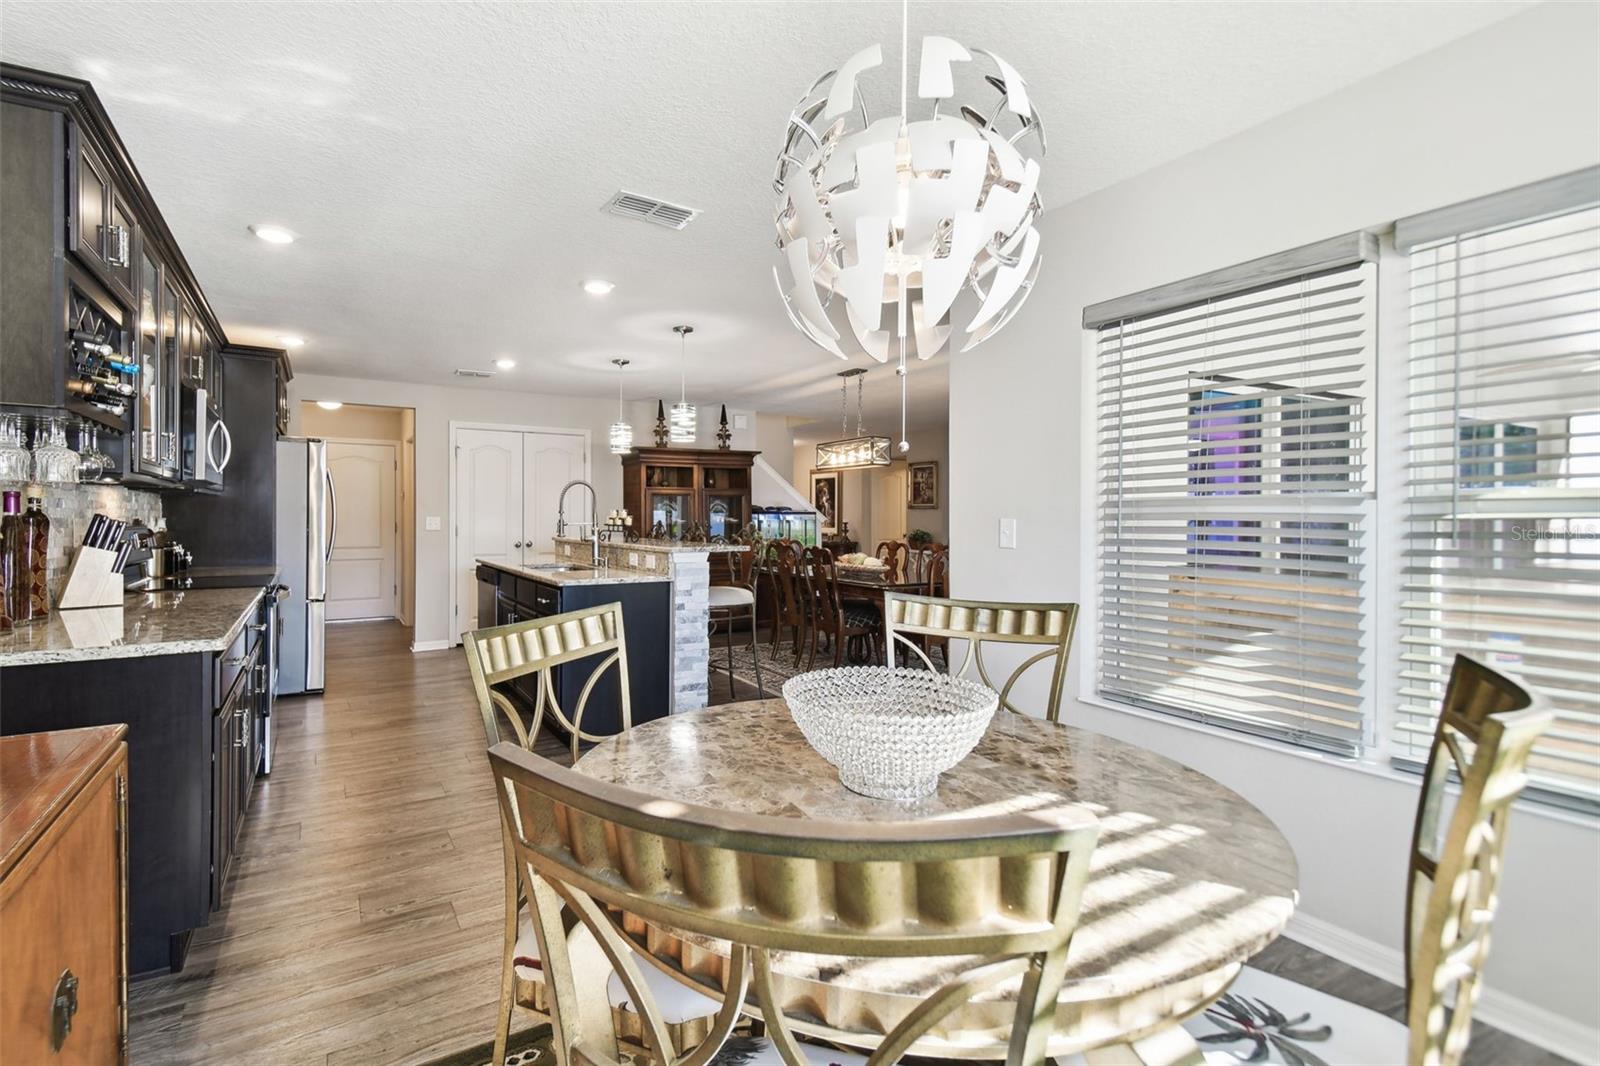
x=63, y=1005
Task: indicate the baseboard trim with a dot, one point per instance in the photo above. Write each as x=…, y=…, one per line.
x=1554, y=1032
x=430, y=645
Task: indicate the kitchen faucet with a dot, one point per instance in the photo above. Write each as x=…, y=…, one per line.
x=594, y=514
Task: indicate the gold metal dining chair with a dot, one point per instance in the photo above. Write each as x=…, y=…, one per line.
x=1485, y=733
x=980, y=622
x=1004, y=890
x=503, y=654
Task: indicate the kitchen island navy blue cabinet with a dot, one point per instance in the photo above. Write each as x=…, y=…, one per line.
x=509, y=594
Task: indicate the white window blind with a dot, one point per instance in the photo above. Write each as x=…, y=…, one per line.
x=1502, y=531
x=1235, y=498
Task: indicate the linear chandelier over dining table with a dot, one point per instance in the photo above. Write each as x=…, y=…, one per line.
x=860, y=451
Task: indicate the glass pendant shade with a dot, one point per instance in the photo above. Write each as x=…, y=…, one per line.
x=681, y=419
x=854, y=453
x=621, y=438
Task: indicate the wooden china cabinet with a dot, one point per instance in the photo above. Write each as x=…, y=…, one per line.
x=676, y=486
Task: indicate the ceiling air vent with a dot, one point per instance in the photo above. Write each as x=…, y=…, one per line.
x=649, y=209
x=474, y=373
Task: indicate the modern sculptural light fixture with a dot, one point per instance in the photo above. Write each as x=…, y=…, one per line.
x=885, y=225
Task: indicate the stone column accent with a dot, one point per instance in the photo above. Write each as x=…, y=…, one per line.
x=691, y=638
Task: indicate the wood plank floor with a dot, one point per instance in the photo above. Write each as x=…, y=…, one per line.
x=363, y=914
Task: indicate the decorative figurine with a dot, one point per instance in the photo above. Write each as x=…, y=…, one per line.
x=661, y=424
x=724, y=434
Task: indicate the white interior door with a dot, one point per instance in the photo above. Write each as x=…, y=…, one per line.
x=488, y=516
x=888, y=506
x=362, y=568
x=550, y=460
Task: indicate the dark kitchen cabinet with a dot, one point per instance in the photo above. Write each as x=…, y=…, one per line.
x=102, y=223
x=156, y=421
x=235, y=757
x=646, y=621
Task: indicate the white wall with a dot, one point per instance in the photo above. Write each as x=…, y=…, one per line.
x=436, y=406
x=1514, y=103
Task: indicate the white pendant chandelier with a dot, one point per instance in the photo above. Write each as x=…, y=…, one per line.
x=886, y=225
x=682, y=416
x=621, y=431
x=860, y=451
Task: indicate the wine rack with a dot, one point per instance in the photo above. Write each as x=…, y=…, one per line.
x=101, y=375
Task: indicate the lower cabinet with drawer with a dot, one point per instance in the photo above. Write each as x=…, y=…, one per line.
x=63, y=896
x=194, y=744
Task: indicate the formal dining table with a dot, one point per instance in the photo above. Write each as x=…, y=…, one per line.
x=1188, y=878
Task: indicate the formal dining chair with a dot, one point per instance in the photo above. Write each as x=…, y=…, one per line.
x=502, y=655
x=1002, y=892
x=841, y=621
x=791, y=593
x=979, y=623
x=1487, y=726
x=732, y=598
x=892, y=553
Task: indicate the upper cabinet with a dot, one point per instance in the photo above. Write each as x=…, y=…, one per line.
x=100, y=316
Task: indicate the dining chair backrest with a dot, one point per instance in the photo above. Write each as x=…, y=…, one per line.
x=535, y=647
x=980, y=622
x=1486, y=728
x=893, y=555
x=788, y=579
x=1003, y=889
x=824, y=582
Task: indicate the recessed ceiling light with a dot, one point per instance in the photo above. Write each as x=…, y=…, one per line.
x=330, y=405
x=505, y=364
x=272, y=234
x=292, y=342
x=596, y=287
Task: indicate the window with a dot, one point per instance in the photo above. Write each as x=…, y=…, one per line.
x=1235, y=496
x=1502, y=500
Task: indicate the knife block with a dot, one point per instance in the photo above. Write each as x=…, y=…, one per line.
x=92, y=581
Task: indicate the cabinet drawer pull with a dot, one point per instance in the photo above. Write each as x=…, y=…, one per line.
x=63, y=1005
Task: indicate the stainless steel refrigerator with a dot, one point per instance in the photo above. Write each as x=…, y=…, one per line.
x=306, y=530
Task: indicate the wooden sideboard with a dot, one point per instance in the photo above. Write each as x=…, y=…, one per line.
x=63, y=896
x=677, y=486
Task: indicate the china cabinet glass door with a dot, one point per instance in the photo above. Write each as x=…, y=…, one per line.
x=671, y=510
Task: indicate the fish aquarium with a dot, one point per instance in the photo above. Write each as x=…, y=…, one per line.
x=781, y=523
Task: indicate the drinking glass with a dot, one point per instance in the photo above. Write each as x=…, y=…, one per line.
x=92, y=461
x=16, y=464
x=53, y=462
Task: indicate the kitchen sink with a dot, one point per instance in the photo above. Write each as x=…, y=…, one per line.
x=557, y=568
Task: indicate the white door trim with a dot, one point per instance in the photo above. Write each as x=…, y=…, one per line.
x=452, y=608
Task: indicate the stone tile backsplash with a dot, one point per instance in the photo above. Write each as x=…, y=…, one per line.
x=70, y=508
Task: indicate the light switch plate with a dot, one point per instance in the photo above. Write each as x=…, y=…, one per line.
x=433, y=523
x=741, y=421
x=1008, y=532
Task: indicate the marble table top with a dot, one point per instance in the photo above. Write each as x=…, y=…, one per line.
x=150, y=623
x=1188, y=878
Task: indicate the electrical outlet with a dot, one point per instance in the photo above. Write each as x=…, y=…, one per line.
x=433, y=523
x=1008, y=532
x=633, y=560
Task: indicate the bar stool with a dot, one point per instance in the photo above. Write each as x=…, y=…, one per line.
x=736, y=601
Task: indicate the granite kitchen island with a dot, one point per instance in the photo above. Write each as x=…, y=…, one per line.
x=689, y=568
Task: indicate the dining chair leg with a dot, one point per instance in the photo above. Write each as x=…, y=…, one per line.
x=727, y=638
x=755, y=655
x=502, y=1025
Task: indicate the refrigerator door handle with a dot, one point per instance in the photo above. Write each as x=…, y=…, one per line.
x=333, y=516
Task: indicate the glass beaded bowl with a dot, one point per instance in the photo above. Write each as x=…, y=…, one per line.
x=889, y=732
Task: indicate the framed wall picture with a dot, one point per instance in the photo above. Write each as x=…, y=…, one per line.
x=923, y=485
x=826, y=487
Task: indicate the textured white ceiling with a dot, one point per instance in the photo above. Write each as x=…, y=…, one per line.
x=444, y=163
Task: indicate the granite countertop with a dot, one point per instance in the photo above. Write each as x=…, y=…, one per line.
x=585, y=575
x=659, y=547
x=149, y=623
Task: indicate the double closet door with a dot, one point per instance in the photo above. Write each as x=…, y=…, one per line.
x=508, y=483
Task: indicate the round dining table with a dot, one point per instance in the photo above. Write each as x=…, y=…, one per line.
x=1188, y=879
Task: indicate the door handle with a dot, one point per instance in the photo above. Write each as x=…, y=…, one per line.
x=333, y=515
x=63, y=1005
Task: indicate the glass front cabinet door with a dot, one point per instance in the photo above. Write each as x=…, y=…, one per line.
x=670, y=510
x=157, y=454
